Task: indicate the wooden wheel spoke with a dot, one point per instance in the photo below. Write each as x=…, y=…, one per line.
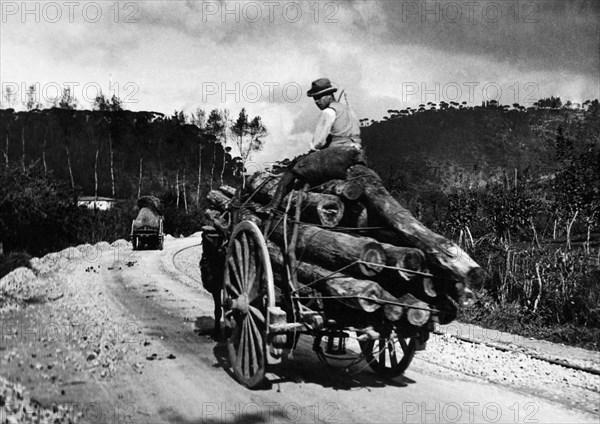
x=382, y=352
x=256, y=291
x=236, y=273
x=392, y=349
x=248, y=347
x=253, y=268
x=255, y=339
x=403, y=344
x=246, y=263
x=258, y=314
x=398, y=361
x=260, y=275
x=240, y=264
x=241, y=346
x=232, y=288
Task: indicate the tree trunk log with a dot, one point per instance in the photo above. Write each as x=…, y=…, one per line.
x=355, y=215
x=335, y=250
x=228, y=190
x=349, y=190
x=337, y=285
x=319, y=208
x=263, y=186
x=438, y=250
x=218, y=199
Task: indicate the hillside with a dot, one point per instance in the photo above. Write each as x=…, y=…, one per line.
x=467, y=147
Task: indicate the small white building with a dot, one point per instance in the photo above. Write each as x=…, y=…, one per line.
x=100, y=203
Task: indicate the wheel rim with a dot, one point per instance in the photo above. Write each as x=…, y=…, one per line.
x=390, y=356
x=247, y=293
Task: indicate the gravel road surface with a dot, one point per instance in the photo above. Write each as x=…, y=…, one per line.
x=102, y=334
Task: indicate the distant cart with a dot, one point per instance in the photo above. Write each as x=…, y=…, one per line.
x=147, y=229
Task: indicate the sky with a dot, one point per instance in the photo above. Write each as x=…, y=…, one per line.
x=262, y=55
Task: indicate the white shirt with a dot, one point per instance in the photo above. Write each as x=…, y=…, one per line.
x=323, y=129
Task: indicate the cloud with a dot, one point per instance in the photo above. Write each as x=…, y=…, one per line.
x=375, y=50
x=540, y=35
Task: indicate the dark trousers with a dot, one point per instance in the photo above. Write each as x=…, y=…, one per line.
x=317, y=168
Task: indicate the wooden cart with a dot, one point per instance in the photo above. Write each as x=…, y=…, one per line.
x=266, y=309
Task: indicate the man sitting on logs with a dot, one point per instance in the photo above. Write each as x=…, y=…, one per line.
x=336, y=145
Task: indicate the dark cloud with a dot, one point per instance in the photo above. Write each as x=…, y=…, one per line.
x=551, y=35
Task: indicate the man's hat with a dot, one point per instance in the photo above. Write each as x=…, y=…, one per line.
x=321, y=87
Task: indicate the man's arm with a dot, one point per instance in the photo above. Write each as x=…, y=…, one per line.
x=323, y=129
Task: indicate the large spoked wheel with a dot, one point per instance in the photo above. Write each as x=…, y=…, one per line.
x=391, y=356
x=248, y=291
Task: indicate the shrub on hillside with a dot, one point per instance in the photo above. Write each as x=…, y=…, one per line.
x=34, y=210
x=12, y=261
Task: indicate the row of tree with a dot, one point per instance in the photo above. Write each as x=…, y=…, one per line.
x=112, y=152
x=554, y=103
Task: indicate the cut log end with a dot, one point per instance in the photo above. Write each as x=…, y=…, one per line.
x=413, y=261
x=418, y=317
x=417, y=311
x=330, y=212
x=351, y=190
x=405, y=258
x=374, y=254
x=228, y=190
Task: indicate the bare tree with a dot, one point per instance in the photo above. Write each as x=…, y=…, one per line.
x=7, y=140
x=114, y=104
x=248, y=136
x=199, y=120
x=177, y=187
x=31, y=98
x=140, y=178
x=93, y=140
x=44, y=148
x=184, y=195
x=112, y=161
x=227, y=122
x=23, y=141
x=215, y=127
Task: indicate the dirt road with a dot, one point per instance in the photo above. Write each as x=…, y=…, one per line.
x=139, y=358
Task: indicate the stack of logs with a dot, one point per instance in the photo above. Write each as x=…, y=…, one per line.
x=354, y=239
